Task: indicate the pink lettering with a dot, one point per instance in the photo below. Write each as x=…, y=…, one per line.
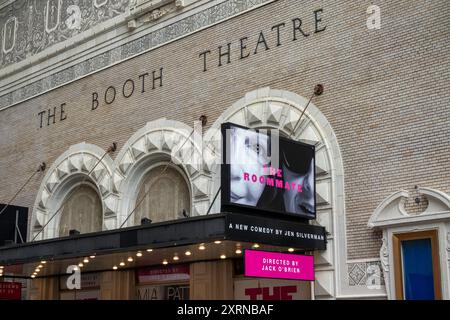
x=270, y=182
x=254, y=178
x=299, y=188
x=279, y=173
x=293, y=185
x=246, y=176
x=262, y=180
x=286, y=185
x=279, y=183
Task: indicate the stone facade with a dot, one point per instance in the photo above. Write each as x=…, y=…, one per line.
x=30, y=27
x=386, y=96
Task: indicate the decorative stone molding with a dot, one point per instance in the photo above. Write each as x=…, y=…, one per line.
x=140, y=7
x=360, y=272
x=384, y=255
x=391, y=211
x=391, y=217
x=278, y=109
x=70, y=169
x=117, y=182
x=158, y=142
x=42, y=25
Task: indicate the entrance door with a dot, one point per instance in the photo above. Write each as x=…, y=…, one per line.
x=417, y=274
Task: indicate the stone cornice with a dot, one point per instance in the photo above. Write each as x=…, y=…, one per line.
x=101, y=51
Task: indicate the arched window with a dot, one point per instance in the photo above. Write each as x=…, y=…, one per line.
x=82, y=211
x=165, y=194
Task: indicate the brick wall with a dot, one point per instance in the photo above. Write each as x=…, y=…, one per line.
x=387, y=96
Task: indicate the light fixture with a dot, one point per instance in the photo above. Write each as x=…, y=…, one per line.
x=39, y=266
x=188, y=253
x=1, y=267
x=43, y=262
x=291, y=249
x=33, y=276
x=37, y=270
x=139, y=254
x=130, y=259
x=75, y=268
x=201, y=247
x=176, y=258
x=217, y=242
x=86, y=260
x=81, y=264
x=35, y=273
x=115, y=268
x=121, y=263
x=255, y=246
x=92, y=257
x=149, y=250
x=164, y=262
x=238, y=251
x=223, y=256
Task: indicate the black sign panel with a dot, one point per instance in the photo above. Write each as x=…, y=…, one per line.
x=8, y=219
x=264, y=173
x=275, y=232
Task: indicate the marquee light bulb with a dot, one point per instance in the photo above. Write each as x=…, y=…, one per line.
x=149, y=250
x=130, y=259
x=43, y=262
x=115, y=268
x=188, y=253
x=139, y=254
x=164, y=262
x=92, y=257
x=291, y=249
x=223, y=256
x=176, y=258
x=217, y=242
x=33, y=276
x=202, y=247
x=86, y=260
x=121, y=263
x=255, y=246
x=238, y=251
x=81, y=264
x=40, y=266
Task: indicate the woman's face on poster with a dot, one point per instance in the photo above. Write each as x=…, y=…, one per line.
x=300, y=202
x=248, y=154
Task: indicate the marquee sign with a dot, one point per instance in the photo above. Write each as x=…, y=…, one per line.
x=249, y=228
x=263, y=172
